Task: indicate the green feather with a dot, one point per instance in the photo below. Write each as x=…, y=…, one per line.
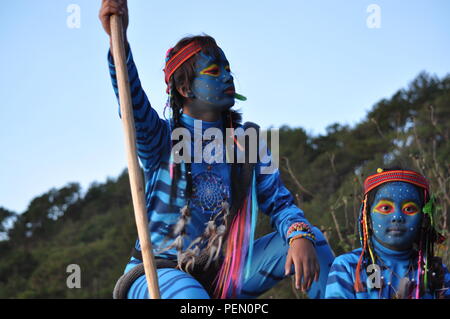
x=430, y=208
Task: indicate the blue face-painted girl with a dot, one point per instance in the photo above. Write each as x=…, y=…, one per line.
x=396, y=215
x=213, y=86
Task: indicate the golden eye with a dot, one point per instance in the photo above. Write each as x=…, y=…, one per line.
x=227, y=68
x=410, y=209
x=384, y=207
x=212, y=70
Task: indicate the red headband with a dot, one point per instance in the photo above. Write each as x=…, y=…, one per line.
x=395, y=176
x=179, y=58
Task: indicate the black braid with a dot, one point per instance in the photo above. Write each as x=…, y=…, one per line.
x=176, y=115
x=177, y=111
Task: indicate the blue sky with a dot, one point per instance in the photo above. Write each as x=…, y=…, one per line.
x=301, y=63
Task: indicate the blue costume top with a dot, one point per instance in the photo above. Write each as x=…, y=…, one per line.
x=394, y=265
x=211, y=182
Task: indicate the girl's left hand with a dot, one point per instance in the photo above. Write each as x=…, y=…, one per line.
x=303, y=255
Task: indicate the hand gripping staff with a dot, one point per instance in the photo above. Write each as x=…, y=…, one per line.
x=136, y=180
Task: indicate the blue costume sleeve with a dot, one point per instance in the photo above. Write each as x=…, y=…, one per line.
x=152, y=133
x=340, y=282
x=446, y=292
x=275, y=200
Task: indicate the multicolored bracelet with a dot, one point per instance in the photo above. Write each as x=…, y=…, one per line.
x=303, y=227
x=304, y=235
x=300, y=226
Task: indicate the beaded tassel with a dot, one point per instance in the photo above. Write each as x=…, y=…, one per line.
x=367, y=232
x=419, y=271
x=167, y=106
x=358, y=285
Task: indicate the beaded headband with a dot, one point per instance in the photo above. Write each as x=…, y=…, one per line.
x=178, y=59
x=395, y=176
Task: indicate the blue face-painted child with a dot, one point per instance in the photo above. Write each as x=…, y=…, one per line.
x=213, y=86
x=396, y=215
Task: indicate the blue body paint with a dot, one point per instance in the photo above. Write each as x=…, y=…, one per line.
x=213, y=86
x=396, y=215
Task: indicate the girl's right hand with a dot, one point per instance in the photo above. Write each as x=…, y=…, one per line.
x=110, y=7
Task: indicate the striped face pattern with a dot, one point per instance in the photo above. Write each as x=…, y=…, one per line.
x=213, y=86
x=395, y=215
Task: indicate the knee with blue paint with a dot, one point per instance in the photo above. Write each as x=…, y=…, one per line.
x=276, y=251
x=269, y=260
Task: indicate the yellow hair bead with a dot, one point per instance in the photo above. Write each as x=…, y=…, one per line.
x=380, y=170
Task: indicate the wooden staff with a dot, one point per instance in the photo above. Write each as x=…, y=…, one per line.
x=134, y=170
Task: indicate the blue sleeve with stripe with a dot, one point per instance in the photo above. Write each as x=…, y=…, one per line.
x=274, y=198
x=152, y=132
x=340, y=280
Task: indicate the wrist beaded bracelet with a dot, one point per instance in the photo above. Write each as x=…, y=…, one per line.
x=305, y=235
x=300, y=226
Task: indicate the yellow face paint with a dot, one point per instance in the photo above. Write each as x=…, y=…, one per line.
x=395, y=220
x=212, y=70
x=384, y=207
x=410, y=208
x=213, y=86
